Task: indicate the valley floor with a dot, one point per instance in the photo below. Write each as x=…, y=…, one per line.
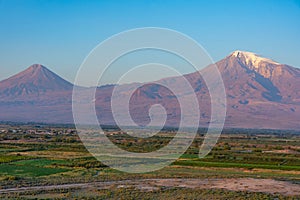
x=52, y=163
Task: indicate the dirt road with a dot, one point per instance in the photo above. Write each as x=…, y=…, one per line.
x=235, y=184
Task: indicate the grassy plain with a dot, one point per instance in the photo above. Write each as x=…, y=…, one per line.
x=45, y=156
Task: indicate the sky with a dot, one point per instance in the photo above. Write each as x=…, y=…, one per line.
x=60, y=34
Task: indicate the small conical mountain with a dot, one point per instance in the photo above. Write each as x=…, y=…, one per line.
x=35, y=80
x=36, y=95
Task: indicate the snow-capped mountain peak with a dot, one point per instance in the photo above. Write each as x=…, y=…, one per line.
x=252, y=59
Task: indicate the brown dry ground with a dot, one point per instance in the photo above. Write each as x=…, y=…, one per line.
x=235, y=184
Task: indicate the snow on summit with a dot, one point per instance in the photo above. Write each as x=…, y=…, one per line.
x=252, y=59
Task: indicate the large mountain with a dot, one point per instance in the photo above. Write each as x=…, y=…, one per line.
x=261, y=93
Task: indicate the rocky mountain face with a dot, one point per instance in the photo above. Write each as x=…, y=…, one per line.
x=261, y=93
x=35, y=81
x=36, y=95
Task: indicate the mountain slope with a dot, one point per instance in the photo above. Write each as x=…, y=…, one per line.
x=278, y=78
x=36, y=95
x=261, y=93
x=33, y=82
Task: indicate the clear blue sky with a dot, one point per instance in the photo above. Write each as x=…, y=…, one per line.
x=59, y=34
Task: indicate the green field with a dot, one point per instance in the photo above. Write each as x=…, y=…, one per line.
x=28, y=160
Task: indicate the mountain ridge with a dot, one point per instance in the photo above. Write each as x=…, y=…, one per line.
x=261, y=93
